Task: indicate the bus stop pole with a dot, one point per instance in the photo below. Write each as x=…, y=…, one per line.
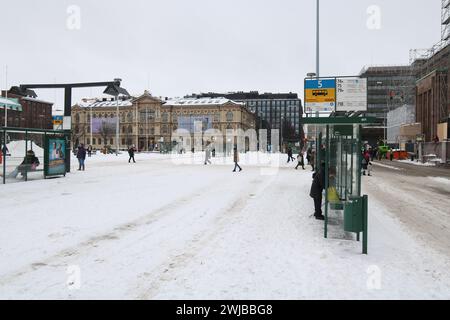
x=327, y=180
x=365, y=223
x=4, y=156
x=67, y=115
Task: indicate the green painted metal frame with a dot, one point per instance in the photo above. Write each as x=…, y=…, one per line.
x=357, y=123
x=26, y=131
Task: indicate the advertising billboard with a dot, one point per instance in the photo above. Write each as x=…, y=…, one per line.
x=54, y=156
x=100, y=125
x=188, y=122
x=320, y=95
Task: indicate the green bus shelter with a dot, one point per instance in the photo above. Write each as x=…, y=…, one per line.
x=339, y=146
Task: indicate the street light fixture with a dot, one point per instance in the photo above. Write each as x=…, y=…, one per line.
x=115, y=90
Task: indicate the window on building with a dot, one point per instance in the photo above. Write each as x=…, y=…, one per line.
x=230, y=116
x=99, y=141
x=165, y=117
x=130, y=117
x=111, y=142
x=93, y=141
x=88, y=141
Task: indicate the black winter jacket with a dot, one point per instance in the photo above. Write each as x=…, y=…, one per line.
x=318, y=185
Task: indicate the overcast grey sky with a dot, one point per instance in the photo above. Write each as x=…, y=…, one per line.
x=177, y=47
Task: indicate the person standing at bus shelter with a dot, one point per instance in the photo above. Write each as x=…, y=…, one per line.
x=81, y=156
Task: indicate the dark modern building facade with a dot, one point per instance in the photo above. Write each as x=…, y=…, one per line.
x=389, y=87
x=282, y=111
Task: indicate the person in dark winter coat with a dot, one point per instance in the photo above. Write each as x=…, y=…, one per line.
x=81, y=156
x=312, y=159
x=317, y=187
x=131, y=151
x=236, y=160
x=366, y=164
x=301, y=161
x=290, y=155
x=29, y=163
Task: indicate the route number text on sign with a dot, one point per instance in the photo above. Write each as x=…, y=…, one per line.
x=320, y=95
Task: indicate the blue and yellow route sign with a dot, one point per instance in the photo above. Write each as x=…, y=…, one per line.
x=320, y=95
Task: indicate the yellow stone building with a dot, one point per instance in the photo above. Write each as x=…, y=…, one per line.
x=149, y=122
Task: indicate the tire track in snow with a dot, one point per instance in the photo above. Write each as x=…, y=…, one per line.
x=113, y=235
x=172, y=265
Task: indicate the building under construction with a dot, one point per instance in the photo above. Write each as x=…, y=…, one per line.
x=388, y=88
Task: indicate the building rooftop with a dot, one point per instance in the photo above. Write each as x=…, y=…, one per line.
x=240, y=95
x=204, y=101
x=104, y=103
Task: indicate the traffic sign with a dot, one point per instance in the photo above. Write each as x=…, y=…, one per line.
x=320, y=95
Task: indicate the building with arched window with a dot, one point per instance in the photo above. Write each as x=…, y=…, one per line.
x=147, y=121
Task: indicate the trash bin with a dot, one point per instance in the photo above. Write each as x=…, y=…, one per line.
x=353, y=215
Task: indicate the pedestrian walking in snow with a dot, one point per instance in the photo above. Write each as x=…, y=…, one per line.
x=131, y=152
x=236, y=160
x=81, y=156
x=366, y=164
x=301, y=161
x=391, y=155
x=207, y=155
x=312, y=158
x=317, y=187
x=89, y=151
x=290, y=155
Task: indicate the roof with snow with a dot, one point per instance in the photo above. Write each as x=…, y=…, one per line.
x=201, y=102
x=104, y=103
x=10, y=104
x=36, y=100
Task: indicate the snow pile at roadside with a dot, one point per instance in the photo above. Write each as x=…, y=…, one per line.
x=441, y=180
x=386, y=166
x=417, y=163
x=17, y=148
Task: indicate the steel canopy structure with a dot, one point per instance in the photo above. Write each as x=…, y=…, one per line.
x=112, y=88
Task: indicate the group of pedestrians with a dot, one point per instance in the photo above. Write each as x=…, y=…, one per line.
x=310, y=157
x=209, y=151
x=82, y=152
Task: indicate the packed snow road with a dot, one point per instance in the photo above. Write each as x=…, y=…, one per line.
x=155, y=230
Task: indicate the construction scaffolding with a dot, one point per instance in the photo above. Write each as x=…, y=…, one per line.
x=445, y=34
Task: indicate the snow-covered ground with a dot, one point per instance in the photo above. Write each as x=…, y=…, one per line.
x=160, y=230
